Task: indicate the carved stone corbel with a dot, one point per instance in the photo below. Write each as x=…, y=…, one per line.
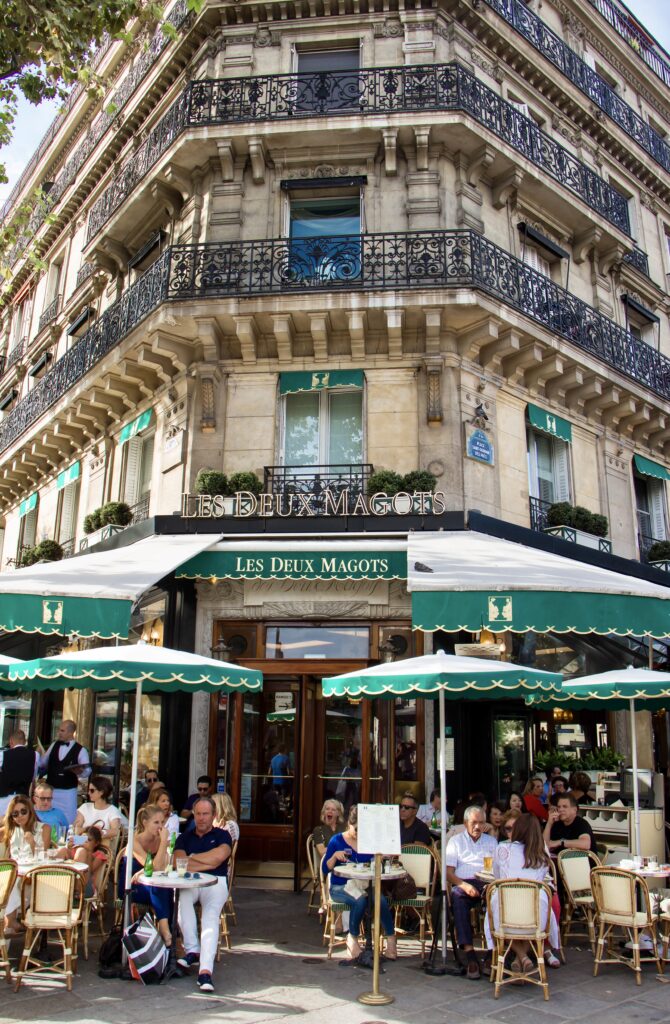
x=583, y=244
x=227, y=160
x=610, y=258
x=117, y=263
x=479, y=163
x=171, y=198
x=390, y=152
x=505, y=186
x=210, y=337
x=257, y=157
x=422, y=138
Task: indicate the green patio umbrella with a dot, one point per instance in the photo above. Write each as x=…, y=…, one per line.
x=616, y=689
x=446, y=677
x=5, y=662
x=139, y=667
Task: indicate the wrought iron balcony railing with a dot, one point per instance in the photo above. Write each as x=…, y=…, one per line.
x=638, y=259
x=85, y=271
x=538, y=513
x=140, y=511
x=68, y=547
x=15, y=354
x=312, y=482
x=141, y=67
x=645, y=543
x=550, y=45
x=398, y=261
x=49, y=314
x=430, y=87
x=621, y=23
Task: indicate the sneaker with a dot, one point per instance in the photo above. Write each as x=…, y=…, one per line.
x=205, y=982
x=188, y=959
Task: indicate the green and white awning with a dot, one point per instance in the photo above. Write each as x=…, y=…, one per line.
x=549, y=423
x=612, y=691
x=277, y=717
x=136, y=427
x=648, y=468
x=159, y=669
x=299, y=560
x=318, y=380
x=28, y=505
x=468, y=580
x=91, y=594
x=457, y=677
x=68, y=476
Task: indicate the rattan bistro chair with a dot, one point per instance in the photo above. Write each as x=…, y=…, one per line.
x=8, y=874
x=423, y=865
x=333, y=911
x=575, y=870
x=228, y=910
x=314, y=885
x=95, y=904
x=618, y=894
x=51, y=900
x=515, y=911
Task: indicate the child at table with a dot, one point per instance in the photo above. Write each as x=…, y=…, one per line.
x=93, y=853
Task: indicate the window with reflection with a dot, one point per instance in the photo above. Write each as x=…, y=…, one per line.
x=405, y=740
x=290, y=641
x=268, y=756
x=112, y=746
x=342, y=762
x=14, y=715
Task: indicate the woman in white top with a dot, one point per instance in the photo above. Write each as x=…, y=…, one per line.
x=162, y=801
x=525, y=857
x=22, y=836
x=98, y=811
x=226, y=815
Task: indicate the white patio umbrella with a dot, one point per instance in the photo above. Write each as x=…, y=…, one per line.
x=139, y=667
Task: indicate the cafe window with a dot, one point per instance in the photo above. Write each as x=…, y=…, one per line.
x=317, y=642
x=323, y=428
x=548, y=467
x=113, y=723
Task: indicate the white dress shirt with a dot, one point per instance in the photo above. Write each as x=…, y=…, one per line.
x=63, y=751
x=17, y=746
x=466, y=856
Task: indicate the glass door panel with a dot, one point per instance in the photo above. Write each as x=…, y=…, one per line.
x=341, y=772
x=511, y=754
x=267, y=770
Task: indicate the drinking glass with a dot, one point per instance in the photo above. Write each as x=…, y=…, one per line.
x=488, y=864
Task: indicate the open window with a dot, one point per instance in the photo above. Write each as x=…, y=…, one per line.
x=640, y=320
x=323, y=428
x=138, y=466
x=28, y=512
x=68, y=506
x=650, y=502
x=327, y=80
x=325, y=236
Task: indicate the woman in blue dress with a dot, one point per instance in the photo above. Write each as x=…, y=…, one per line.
x=152, y=836
x=343, y=849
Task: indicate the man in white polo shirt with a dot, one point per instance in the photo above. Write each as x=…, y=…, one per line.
x=465, y=859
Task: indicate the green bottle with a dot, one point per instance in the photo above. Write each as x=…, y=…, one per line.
x=433, y=820
x=149, y=866
x=54, y=835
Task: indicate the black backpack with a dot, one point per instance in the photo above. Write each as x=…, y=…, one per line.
x=109, y=957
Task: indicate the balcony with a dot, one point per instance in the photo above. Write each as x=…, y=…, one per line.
x=539, y=510
x=15, y=354
x=638, y=260
x=140, y=511
x=49, y=314
x=411, y=260
x=407, y=89
x=623, y=23
x=588, y=81
x=312, y=482
x=85, y=271
x=538, y=513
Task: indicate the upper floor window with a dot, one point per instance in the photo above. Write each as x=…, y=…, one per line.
x=28, y=512
x=322, y=426
x=68, y=504
x=650, y=503
x=325, y=238
x=331, y=79
x=138, y=458
x=548, y=467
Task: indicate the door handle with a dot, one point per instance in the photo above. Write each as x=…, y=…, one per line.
x=305, y=776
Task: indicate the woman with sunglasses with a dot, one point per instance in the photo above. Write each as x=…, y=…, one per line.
x=21, y=834
x=98, y=811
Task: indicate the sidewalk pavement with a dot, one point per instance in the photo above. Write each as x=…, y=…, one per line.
x=278, y=972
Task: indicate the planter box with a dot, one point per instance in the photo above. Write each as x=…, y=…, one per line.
x=102, y=534
x=579, y=537
x=663, y=564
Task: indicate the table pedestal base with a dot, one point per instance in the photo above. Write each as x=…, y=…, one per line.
x=172, y=968
x=375, y=998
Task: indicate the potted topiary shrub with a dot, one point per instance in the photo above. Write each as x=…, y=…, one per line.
x=419, y=481
x=27, y=557
x=659, y=555
x=245, y=482
x=385, y=483
x=578, y=525
x=116, y=513
x=211, y=481
x=93, y=521
x=48, y=551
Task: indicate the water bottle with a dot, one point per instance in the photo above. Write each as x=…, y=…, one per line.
x=39, y=845
x=433, y=820
x=149, y=866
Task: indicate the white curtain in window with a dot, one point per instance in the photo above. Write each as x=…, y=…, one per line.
x=68, y=512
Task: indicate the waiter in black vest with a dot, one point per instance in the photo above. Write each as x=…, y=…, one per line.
x=66, y=761
x=18, y=767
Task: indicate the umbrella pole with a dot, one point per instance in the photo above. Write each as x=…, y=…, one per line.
x=636, y=795
x=443, y=825
x=131, y=811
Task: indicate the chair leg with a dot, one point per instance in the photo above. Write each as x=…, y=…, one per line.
x=84, y=927
x=636, y=956
x=67, y=957
x=599, y=949
x=4, y=958
x=28, y=940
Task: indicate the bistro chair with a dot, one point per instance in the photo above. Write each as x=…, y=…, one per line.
x=617, y=895
x=515, y=911
x=228, y=910
x=423, y=866
x=553, y=883
x=575, y=871
x=8, y=875
x=314, y=889
x=333, y=911
x=95, y=904
x=51, y=900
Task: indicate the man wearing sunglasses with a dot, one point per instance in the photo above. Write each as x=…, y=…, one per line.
x=204, y=787
x=412, y=829
x=43, y=796
x=18, y=768
x=150, y=780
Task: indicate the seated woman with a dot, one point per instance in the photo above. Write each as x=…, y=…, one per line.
x=332, y=822
x=151, y=837
x=495, y=816
x=515, y=802
x=342, y=849
x=93, y=853
x=526, y=857
x=22, y=835
x=580, y=784
x=226, y=815
x=507, y=823
x=532, y=798
x=160, y=798
x=98, y=811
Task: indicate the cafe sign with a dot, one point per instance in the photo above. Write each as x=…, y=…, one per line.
x=245, y=504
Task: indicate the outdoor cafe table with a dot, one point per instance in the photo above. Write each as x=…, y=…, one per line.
x=24, y=866
x=366, y=873
x=163, y=880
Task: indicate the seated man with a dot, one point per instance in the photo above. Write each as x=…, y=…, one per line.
x=412, y=829
x=205, y=849
x=204, y=787
x=431, y=810
x=150, y=780
x=565, y=829
x=465, y=859
x=43, y=795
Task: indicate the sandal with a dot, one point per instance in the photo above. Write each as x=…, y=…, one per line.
x=527, y=965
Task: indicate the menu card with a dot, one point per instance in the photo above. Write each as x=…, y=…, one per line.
x=378, y=828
